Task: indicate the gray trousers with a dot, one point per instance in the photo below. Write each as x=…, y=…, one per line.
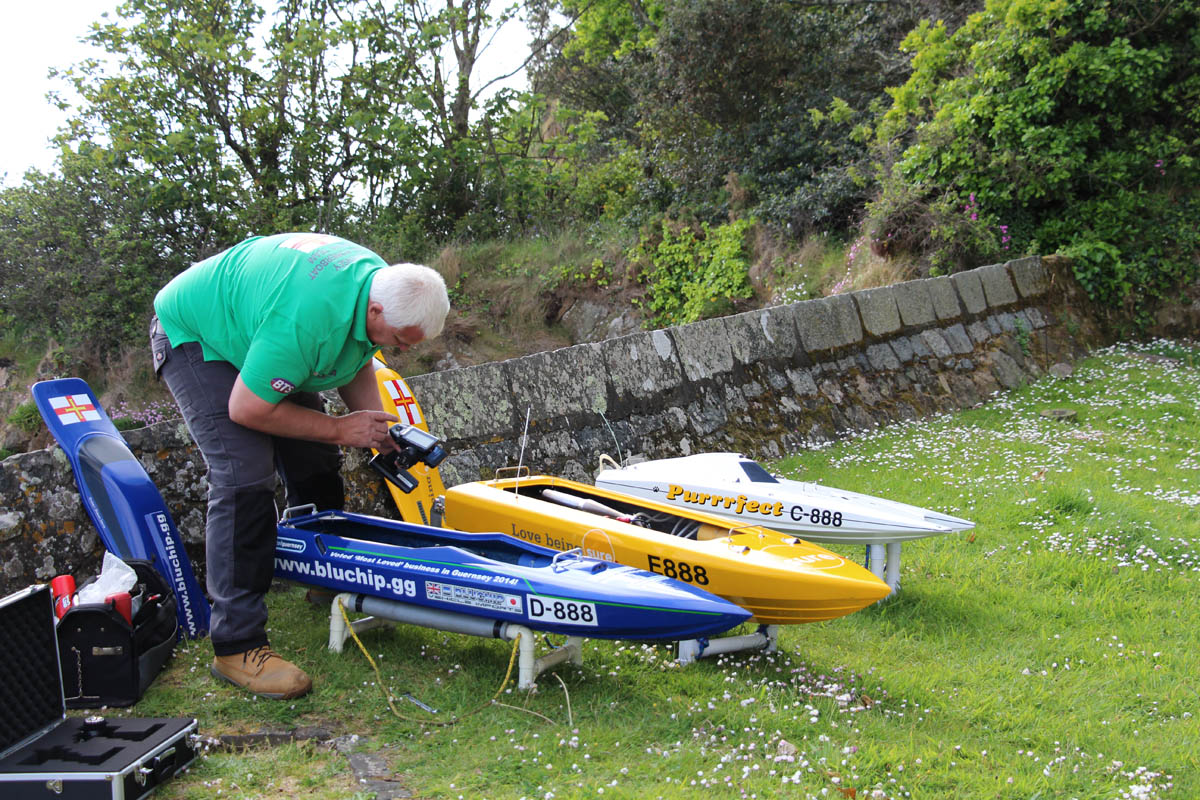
x=240, y=531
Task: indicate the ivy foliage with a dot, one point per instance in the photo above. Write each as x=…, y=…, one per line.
x=1051, y=125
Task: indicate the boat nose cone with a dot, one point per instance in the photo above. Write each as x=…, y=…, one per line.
x=951, y=524
x=878, y=588
x=736, y=615
x=862, y=578
x=713, y=614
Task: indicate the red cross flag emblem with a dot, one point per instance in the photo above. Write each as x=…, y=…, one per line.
x=406, y=404
x=74, y=408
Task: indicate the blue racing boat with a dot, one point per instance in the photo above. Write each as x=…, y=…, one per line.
x=124, y=504
x=494, y=576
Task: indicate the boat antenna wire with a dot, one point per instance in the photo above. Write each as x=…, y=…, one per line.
x=521, y=455
x=613, y=434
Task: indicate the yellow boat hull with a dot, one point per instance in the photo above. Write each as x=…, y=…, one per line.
x=780, y=579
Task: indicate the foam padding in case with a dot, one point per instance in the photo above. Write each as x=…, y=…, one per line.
x=30, y=687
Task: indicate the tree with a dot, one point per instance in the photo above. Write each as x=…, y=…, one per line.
x=444, y=45
x=768, y=96
x=211, y=122
x=82, y=255
x=270, y=127
x=778, y=93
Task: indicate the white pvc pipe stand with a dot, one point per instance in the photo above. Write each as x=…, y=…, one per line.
x=884, y=563
x=892, y=575
x=385, y=612
x=766, y=638
x=339, y=633
x=875, y=554
x=529, y=667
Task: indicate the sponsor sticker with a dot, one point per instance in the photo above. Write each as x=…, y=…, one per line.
x=282, y=386
x=307, y=242
x=812, y=561
x=176, y=558
x=289, y=545
x=475, y=598
x=738, y=504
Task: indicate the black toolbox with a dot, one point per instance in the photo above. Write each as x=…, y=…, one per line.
x=44, y=754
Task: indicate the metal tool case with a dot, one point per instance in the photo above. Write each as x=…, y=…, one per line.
x=46, y=755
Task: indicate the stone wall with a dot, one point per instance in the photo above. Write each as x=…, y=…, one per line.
x=764, y=382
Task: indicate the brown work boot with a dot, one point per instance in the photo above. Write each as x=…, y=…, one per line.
x=263, y=672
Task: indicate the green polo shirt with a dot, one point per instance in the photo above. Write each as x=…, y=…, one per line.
x=289, y=311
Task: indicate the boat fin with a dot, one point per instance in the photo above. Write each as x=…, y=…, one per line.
x=124, y=504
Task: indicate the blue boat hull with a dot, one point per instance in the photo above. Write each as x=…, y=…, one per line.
x=496, y=577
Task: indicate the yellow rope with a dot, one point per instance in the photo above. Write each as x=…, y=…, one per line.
x=388, y=695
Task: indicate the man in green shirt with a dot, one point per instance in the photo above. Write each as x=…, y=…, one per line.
x=245, y=340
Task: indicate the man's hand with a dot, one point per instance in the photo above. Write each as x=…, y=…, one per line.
x=367, y=429
x=361, y=396
x=357, y=429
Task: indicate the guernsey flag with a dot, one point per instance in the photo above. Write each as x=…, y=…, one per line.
x=406, y=404
x=74, y=408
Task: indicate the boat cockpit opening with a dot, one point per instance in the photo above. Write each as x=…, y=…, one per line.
x=663, y=522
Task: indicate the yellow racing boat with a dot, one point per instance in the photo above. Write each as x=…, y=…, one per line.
x=779, y=578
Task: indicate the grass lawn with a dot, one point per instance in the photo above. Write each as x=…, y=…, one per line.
x=1053, y=652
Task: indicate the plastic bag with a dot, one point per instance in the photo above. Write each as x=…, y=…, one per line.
x=115, y=577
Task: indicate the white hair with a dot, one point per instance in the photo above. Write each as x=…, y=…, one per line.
x=411, y=294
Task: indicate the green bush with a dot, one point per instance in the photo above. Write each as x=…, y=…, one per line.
x=692, y=276
x=26, y=417
x=949, y=235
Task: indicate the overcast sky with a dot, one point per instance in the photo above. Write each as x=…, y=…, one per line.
x=46, y=33
x=42, y=35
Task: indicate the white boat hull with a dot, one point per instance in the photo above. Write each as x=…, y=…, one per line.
x=737, y=488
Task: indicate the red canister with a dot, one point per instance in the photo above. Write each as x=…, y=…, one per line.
x=62, y=589
x=122, y=604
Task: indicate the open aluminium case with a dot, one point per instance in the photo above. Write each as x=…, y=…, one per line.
x=43, y=753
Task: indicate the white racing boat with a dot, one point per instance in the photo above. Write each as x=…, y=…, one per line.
x=733, y=486
x=740, y=489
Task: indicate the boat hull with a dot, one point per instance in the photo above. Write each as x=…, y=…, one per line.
x=120, y=498
x=495, y=577
x=780, y=579
x=720, y=484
